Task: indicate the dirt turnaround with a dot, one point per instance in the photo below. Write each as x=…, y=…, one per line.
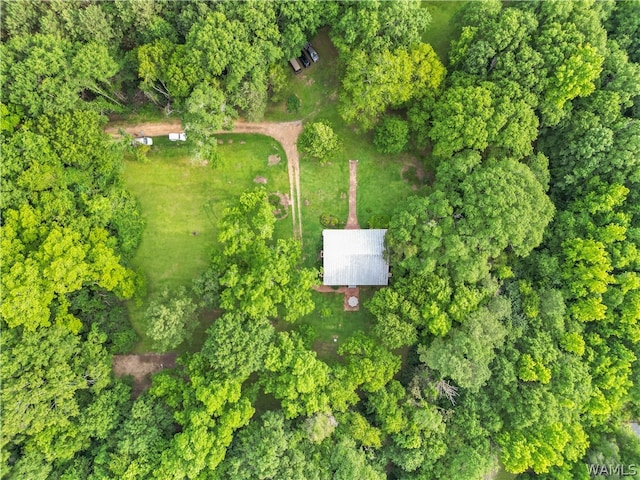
x=140, y=367
x=284, y=132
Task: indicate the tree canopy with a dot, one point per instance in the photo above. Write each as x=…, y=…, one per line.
x=509, y=334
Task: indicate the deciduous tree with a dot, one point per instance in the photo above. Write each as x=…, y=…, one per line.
x=465, y=354
x=319, y=141
x=391, y=135
x=170, y=318
x=375, y=81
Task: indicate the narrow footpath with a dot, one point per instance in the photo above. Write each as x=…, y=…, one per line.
x=352, y=219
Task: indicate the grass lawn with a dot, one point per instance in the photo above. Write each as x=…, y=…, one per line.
x=329, y=319
x=324, y=189
x=504, y=475
x=179, y=197
x=316, y=86
x=441, y=31
x=139, y=113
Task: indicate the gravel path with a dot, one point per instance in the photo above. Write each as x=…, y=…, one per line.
x=284, y=132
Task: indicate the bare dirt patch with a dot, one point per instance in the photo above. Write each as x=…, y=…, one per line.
x=273, y=160
x=261, y=180
x=285, y=201
x=280, y=213
x=149, y=129
x=352, y=220
x=281, y=205
x=140, y=367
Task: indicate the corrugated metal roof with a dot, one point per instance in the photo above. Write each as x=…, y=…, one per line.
x=354, y=257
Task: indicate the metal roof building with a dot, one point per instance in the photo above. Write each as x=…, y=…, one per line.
x=354, y=257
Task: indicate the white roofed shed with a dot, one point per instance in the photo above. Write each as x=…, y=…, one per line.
x=354, y=257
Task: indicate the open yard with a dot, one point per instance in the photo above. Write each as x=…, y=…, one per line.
x=383, y=181
x=324, y=189
x=181, y=202
x=441, y=30
x=330, y=319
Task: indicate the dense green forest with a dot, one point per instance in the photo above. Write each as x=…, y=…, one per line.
x=508, y=341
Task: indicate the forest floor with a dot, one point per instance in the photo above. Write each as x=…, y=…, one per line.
x=140, y=367
x=284, y=132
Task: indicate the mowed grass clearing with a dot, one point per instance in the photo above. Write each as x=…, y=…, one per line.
x=179, y=197
x=329, y=319
x=324, y=188
x=441, y=30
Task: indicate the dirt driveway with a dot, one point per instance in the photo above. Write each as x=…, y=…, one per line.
x=284, y=132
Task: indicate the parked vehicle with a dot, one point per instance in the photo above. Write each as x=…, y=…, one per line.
x=311, y=52
x=304, y=60
x=174, y=137
x=144, y=140
x=295, y=65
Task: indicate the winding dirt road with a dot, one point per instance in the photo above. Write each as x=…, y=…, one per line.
x=284, y=132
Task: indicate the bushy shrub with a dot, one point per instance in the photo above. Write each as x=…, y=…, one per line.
x=391, y=135
x=378, y=221
x=319, y=141
x=277, y=82
x=329, y=221
x=319, y=427
x=293, y=104
x=274, y=199
x=307, y=333
x=104, y=311
x=123, y=341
